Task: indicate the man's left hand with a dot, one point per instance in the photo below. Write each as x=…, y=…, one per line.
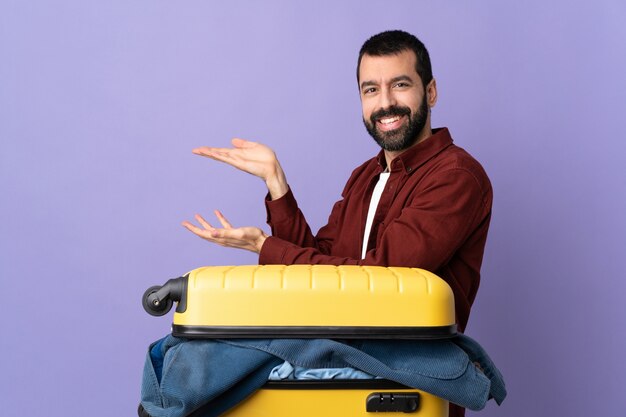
x=248, y=238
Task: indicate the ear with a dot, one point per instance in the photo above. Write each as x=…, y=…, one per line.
x=431, y=93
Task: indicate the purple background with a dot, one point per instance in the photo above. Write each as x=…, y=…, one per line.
x=102, y=102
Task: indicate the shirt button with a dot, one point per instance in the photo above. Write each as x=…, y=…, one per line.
x=409, y=169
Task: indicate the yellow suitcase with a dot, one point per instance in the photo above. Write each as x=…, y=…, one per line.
x=314, y=301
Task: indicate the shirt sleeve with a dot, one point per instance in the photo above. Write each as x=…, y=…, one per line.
x=441, y=216
x=289, y=224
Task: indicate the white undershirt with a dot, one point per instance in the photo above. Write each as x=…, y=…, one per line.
x=378, y=191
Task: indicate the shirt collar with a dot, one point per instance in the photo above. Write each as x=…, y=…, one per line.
x=417, y=155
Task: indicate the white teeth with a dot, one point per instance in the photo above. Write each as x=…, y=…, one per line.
x=389, y=120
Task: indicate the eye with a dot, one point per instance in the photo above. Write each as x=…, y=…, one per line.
x=369, y=90
x=401, y=84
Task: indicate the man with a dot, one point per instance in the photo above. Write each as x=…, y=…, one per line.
x=422, y=202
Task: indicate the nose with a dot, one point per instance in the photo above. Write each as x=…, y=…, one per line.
x=387, y=99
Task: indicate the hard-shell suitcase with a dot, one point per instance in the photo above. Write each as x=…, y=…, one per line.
x=314, y=301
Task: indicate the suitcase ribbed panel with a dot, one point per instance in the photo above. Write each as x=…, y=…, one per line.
x=315, y=301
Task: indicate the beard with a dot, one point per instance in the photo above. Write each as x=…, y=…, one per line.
x=403, y=137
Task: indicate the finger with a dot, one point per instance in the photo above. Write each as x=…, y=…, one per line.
x=203, y=150
x=212, y=235
x=203, y=222
x=225, y=223
x=218, y=154
x=214, y=153
x=227, y=237
x=217, y=233
x=242, y=143
x=194, y=229
x=231, y=157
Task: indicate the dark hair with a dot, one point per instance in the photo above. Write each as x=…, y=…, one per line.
x=393, y=42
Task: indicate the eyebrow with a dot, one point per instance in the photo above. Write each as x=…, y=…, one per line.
x=401, y=78
x=368, y=84
x=393, y=80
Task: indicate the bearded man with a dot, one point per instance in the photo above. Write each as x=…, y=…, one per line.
x=421, y=202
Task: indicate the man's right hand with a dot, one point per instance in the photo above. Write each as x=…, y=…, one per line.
x=253, y=158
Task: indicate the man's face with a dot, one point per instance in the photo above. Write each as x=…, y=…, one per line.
x=394, y=104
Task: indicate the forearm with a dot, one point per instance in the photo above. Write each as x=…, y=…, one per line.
x=279, y=251
x=287, y=221
x=276, y=183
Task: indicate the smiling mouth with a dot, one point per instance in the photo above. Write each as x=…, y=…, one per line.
x=389, y=123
